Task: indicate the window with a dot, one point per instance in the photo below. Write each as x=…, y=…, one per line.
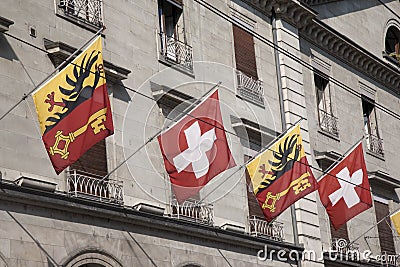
x=384, y=228
x=327, y=121
x=85, y=177
x=392, y=43
x=173, y=44
x=87, y=11
x=374, y=142
x=249, y=87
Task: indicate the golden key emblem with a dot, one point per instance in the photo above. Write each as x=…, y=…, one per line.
x=96, y=122
x=298, y=185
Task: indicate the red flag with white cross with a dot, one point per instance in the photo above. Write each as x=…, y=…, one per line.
x=345, y=190
x=195, y=149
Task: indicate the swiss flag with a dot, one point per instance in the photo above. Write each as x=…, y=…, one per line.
x=195, y=149
x=345, y=190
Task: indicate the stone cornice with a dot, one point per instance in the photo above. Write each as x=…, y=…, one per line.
x=346, y=50
x=318, y=33
x=59, y=201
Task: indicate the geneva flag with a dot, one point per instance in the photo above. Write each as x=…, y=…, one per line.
x=345, y=190
x=195, y=149
x=73, y=108
x=281, y=175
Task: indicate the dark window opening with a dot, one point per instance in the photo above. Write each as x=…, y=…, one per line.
x=384, y=229
x=392, y=43
x=369, y=115
x=244, y=52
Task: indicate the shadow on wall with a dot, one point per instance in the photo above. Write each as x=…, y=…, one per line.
x=6, y=50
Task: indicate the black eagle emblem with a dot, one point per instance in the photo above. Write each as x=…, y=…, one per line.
x=77, y=93
x=281, y=163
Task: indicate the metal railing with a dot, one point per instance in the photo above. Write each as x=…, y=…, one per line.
x=249, y=88
x=328, y=122
x=262, y=228
x=176, y=52
x=340, y=245
x=375, y=144
x=108, y=190
x=194, y=211
x=86, y=10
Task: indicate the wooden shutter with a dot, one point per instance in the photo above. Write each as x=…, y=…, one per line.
x=254, y=207
x=244, y=52
x=94, y=161
x=341, y=233
x=384, y=230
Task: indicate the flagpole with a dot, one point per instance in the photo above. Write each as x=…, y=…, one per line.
x=376, y=224
x=340, y=158
x=252, y=158
x=53, y=72
x=183, y=113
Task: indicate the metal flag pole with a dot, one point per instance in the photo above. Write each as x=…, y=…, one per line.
x=252, y=158
x=183, y=113
x=340, y=158
x=376, y=224
x=53, y=72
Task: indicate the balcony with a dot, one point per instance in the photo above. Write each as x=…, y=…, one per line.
x=85, y=186
x=249, y=88
x=88, y=11
x=192, y=210
x=375, y=144
x=328, y=123
x=176, y=52
x=262, y=228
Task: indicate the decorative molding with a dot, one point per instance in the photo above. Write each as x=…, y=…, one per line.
x=315, y=31
x=243, y=20
x=320, y=64
x=344, y=49
x=5, y=24
x=59, y=51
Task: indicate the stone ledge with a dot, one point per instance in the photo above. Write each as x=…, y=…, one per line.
x=5, y=24
x=59, y=51
x=59, y=201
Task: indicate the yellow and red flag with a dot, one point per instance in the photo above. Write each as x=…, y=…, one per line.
x=73, y=108
x=396, y=221
x=281, y=175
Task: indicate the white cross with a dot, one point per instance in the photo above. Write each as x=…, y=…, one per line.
x=347, y=185
x=195, y=154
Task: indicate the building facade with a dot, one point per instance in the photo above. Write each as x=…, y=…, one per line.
x=333, y=66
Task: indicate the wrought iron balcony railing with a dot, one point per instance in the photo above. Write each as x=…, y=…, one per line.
x=89, y=11
x=328, y=122
x=108, y=190
x=176, y=52
x=262, y=228
x=342, y=246
x=192, y=210
x=375, y=144
x=249, y=88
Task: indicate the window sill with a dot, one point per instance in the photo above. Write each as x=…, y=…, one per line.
x=376, y=155
x=323, y=132
x=86, y=25
x=250, y=101
x=176, y=66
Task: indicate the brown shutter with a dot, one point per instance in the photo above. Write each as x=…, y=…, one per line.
x=384, y=230
x=94, y=161
x=254, y=207
x=244, y=52
x=341, y=233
